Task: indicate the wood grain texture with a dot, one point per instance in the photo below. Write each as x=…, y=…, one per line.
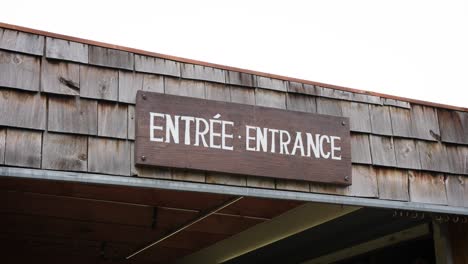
x=65, y=152
x=380, y=120
x=364, y=182
x=299, y=102
x=424, y=123
x=66, y=50
x=21, y=42
x=271, y=84
x=72, y=115
x=433, y=156
x=396, y=103
x=292, y=185
x=226, y=179
x=112, y=120
x=111, y=58
x=29, y=109
x=457, y=159
x=218, y=92
x=406, y=153
x=60, y=77
x=19, y=71
x=296, y=87
x=457, y=193
x=393, y=184
x=23, y=148
x=453, y=126
x=188, y=175
x=359, y=117
x=337, y=94
x=427, y=188
x=98, y=83
x=131, y=82
x=157, y=65
x=2, y=144
x=184, y=87
x=242, y=95
x=327, y=106
x=269, y=98
x=203, y=73
x=260, y=182
x=328, y=189
x=131, y=122
x=147, y=172
x=401, y=122
x=109, y=156
x=382, y=151
x=360, y=149
x=240, y=78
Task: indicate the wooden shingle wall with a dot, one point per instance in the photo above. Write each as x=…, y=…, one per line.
x=70, y=106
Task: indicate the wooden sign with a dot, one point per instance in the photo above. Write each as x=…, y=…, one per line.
x=183, y=132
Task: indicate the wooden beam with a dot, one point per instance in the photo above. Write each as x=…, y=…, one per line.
x=287, y=224
x=442, y=245
x=381, y=242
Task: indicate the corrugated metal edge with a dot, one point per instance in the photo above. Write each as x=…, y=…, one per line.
x=223, y=189
x=185, y=60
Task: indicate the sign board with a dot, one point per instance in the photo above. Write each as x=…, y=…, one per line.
x=189, y=133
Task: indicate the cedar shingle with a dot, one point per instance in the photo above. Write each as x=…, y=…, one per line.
x=65, y=152
x=60, y=77
x=21, y=42
x=19, y=71
x=29, y=109
x=23, y=148
x=66, y=50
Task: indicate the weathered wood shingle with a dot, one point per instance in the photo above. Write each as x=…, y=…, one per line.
x=396, y=103
x=65, y=152
x=401, y=122
x=303, y=103
x=203, y=73
x=19, y=71
x=110, y=58
x=457, y=193
x=225, y=179
x=66, y=50
x=98, y=83
x=112, y=120
x=242, y=95
x=292, y=185
x=453, y=126
x=424, y=123
x=217, y=91
x=407, y=154
x=457, y=159
x=23, y=148
x=131, y=82
x=380, y=120
x=60, y=77
x=272, y=84
x=433, y=156
x=109, y=156
x=184, y=87
x=360, y=149
x=270, y=98
x=21, y=42
x=358, y=114
x=157, y=65
x=364, y=182
x=427, y=187
x=297, y=87
x=240, y=78
x=2, y=144
x=29, y=109
x=393, y=184
x=382, y=151
x=72, y=115
x=327, y=106
x=131, y=122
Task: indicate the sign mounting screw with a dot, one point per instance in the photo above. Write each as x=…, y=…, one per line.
x=343, y=123
x=143, y=96
x=143, y=158
x=346, y=178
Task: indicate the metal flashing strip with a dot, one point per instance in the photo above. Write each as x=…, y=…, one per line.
x=224, y=189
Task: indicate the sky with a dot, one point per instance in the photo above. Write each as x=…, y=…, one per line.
x=414, y=49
